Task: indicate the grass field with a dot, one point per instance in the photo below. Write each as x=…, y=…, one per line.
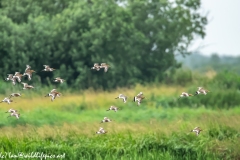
x=155, y=130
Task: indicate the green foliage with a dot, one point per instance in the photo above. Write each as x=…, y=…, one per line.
x=224, y=90
x=138, y=39
x=227, y=80
x=181, y=77
x=126, y=146
x=217, y=141
x=214, y=99
x=72, y=113
x=223, y=132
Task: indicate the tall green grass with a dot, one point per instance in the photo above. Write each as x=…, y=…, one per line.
x=128, y=114
x=125, y=145
x=157, y=129
x=135, y=133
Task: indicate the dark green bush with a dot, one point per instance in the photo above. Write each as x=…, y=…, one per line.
x=180, y=77
x=226, y=80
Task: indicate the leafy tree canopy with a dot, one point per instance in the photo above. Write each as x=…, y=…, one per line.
x=137, y=38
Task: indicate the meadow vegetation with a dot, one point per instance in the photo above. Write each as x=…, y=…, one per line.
x=158, y=129
x=72, y=35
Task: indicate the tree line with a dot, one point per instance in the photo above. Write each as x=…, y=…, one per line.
x=138, y=39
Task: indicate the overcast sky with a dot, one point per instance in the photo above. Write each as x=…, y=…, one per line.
x=223, y=30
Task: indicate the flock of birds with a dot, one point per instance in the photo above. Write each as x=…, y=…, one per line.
x=139, y=97
x=17, y=77
x=200, y=90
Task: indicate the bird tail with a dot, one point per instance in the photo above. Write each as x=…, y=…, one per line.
x=134, y=99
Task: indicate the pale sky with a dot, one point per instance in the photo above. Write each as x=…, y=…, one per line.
x=223, y=29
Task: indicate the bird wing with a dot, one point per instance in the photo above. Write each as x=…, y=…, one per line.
x=46, y=66
x=140, y=96
x=96, y=64
x=184, y=93
x=10, y=76
x=105, y=69
x=27, y=68
x=196, y=128
x=101, y=129
x=13, y=80
x=53, y=90
x=16, y=74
